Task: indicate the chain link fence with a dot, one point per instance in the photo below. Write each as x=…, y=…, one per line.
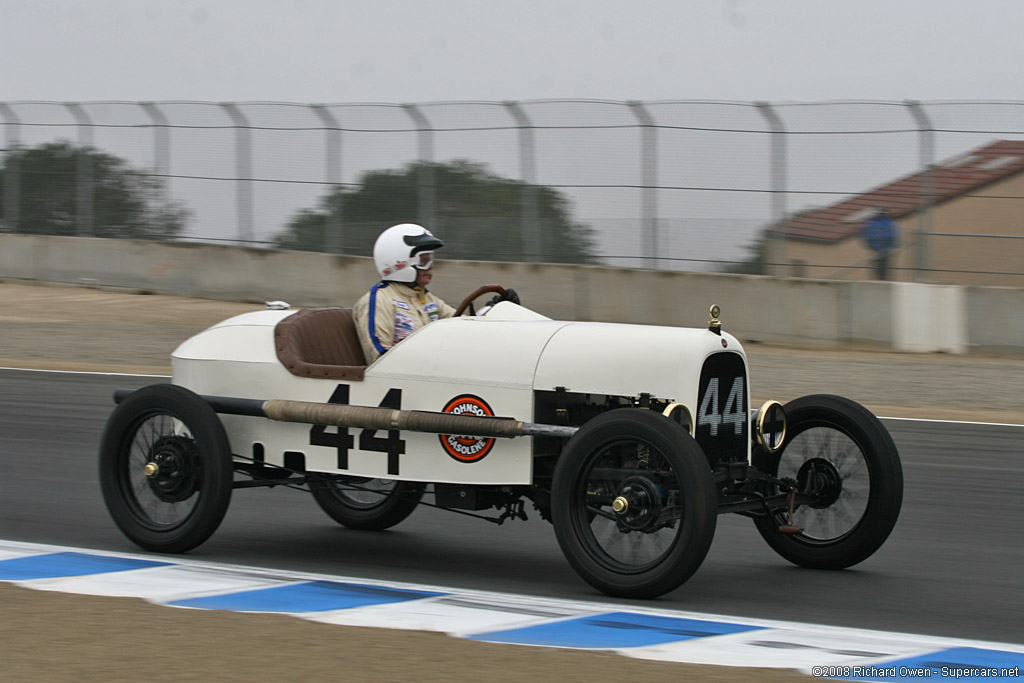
x=682, y=185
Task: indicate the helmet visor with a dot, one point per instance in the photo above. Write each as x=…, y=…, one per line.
x=426, y=261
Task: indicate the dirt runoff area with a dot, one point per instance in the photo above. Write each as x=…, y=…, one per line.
x=58, y=637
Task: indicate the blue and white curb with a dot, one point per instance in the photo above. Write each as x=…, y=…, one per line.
x=664, y=635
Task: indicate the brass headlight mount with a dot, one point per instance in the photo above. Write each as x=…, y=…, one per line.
x=677, y=412
x=770, y=426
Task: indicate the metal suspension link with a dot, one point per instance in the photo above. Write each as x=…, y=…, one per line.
x=513, y=510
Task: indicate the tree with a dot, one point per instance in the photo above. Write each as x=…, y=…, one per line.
x=757, y=261
x=757, y=252
x=478, y=215
x=124, y=202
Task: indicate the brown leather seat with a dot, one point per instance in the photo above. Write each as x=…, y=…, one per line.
x=321, y=343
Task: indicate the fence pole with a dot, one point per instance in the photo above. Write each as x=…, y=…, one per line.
x=84, y=173
x=427, y=190
x=648, y=181
x=243, y=169
x=12, y=175
x=926, y=137
x=161, y=149
x=161, y=139
x=334, y=237
x=529, y=213
x=776, y=253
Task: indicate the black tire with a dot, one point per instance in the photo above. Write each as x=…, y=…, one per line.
x=854, y=461
x=367, y=504
x=662, y=537
x=181, y=504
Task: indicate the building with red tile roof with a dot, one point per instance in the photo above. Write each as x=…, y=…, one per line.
x=960, y=204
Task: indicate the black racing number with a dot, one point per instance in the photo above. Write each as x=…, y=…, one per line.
x=341, y=439
x=392, y=444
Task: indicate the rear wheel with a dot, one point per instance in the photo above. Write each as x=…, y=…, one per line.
x=368, y=504
x=633, y=503
x=841, y=455
x=165, y=468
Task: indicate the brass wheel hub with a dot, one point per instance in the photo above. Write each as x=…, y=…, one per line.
x=173, y=470
x=638, y=504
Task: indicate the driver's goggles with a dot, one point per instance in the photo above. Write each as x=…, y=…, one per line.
x=426, y=261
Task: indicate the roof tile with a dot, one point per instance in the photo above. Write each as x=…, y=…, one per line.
x=903, y=197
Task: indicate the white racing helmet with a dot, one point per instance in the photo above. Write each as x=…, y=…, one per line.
x=403, y=249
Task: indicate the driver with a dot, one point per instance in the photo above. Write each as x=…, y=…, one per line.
x=399, y=304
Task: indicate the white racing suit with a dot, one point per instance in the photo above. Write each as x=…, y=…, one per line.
x=391, y=311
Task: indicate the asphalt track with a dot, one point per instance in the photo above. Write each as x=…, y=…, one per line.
x=951, y=567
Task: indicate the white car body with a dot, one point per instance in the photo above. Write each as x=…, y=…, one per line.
x=630, y=439
x=506, y=358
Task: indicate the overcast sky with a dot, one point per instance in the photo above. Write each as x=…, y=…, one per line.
x=437, y=50
x=401, y=51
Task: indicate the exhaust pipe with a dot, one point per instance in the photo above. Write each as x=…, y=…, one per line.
x=372, y=417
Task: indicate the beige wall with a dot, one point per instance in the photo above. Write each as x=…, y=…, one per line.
x=790, y=311
x=997, y=209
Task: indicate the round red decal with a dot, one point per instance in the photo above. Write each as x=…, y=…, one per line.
x=467, y=448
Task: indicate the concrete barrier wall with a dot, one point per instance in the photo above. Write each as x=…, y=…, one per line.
x=790, y=311
x=867, y=313
x=929, y=318
x=995, y=318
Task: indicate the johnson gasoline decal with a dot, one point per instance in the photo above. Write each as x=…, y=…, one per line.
x=467, y=448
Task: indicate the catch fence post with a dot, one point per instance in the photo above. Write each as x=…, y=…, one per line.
x=334, y=238
x=529, y=213
x=427, y=189
x=776, y=239
x=648, y=181
x=926, y=146
x=12, y=175
x=161, y=148
x=243, y=169
x=83, y=173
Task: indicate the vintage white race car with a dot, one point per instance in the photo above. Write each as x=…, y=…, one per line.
x=630, y=439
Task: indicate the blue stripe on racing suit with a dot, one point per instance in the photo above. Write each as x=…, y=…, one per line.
x=372, y=318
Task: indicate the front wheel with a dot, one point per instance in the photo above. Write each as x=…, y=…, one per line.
x=633, y=503
x=841, y=457
x=165, y=468
x=368, y=504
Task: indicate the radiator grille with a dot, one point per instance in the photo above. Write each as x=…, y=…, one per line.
x=722, y=423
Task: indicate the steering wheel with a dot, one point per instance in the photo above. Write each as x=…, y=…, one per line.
x=477, y=293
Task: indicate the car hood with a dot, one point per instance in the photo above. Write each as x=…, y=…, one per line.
x=582, y=357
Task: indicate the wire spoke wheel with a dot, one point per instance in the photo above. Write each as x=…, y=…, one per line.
x=843, y=460
x=633, y=503
x=647, y=491
x=162, y=472
x=830, y=463
x=165, y=468
x=364, y=493
x=368, y=504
